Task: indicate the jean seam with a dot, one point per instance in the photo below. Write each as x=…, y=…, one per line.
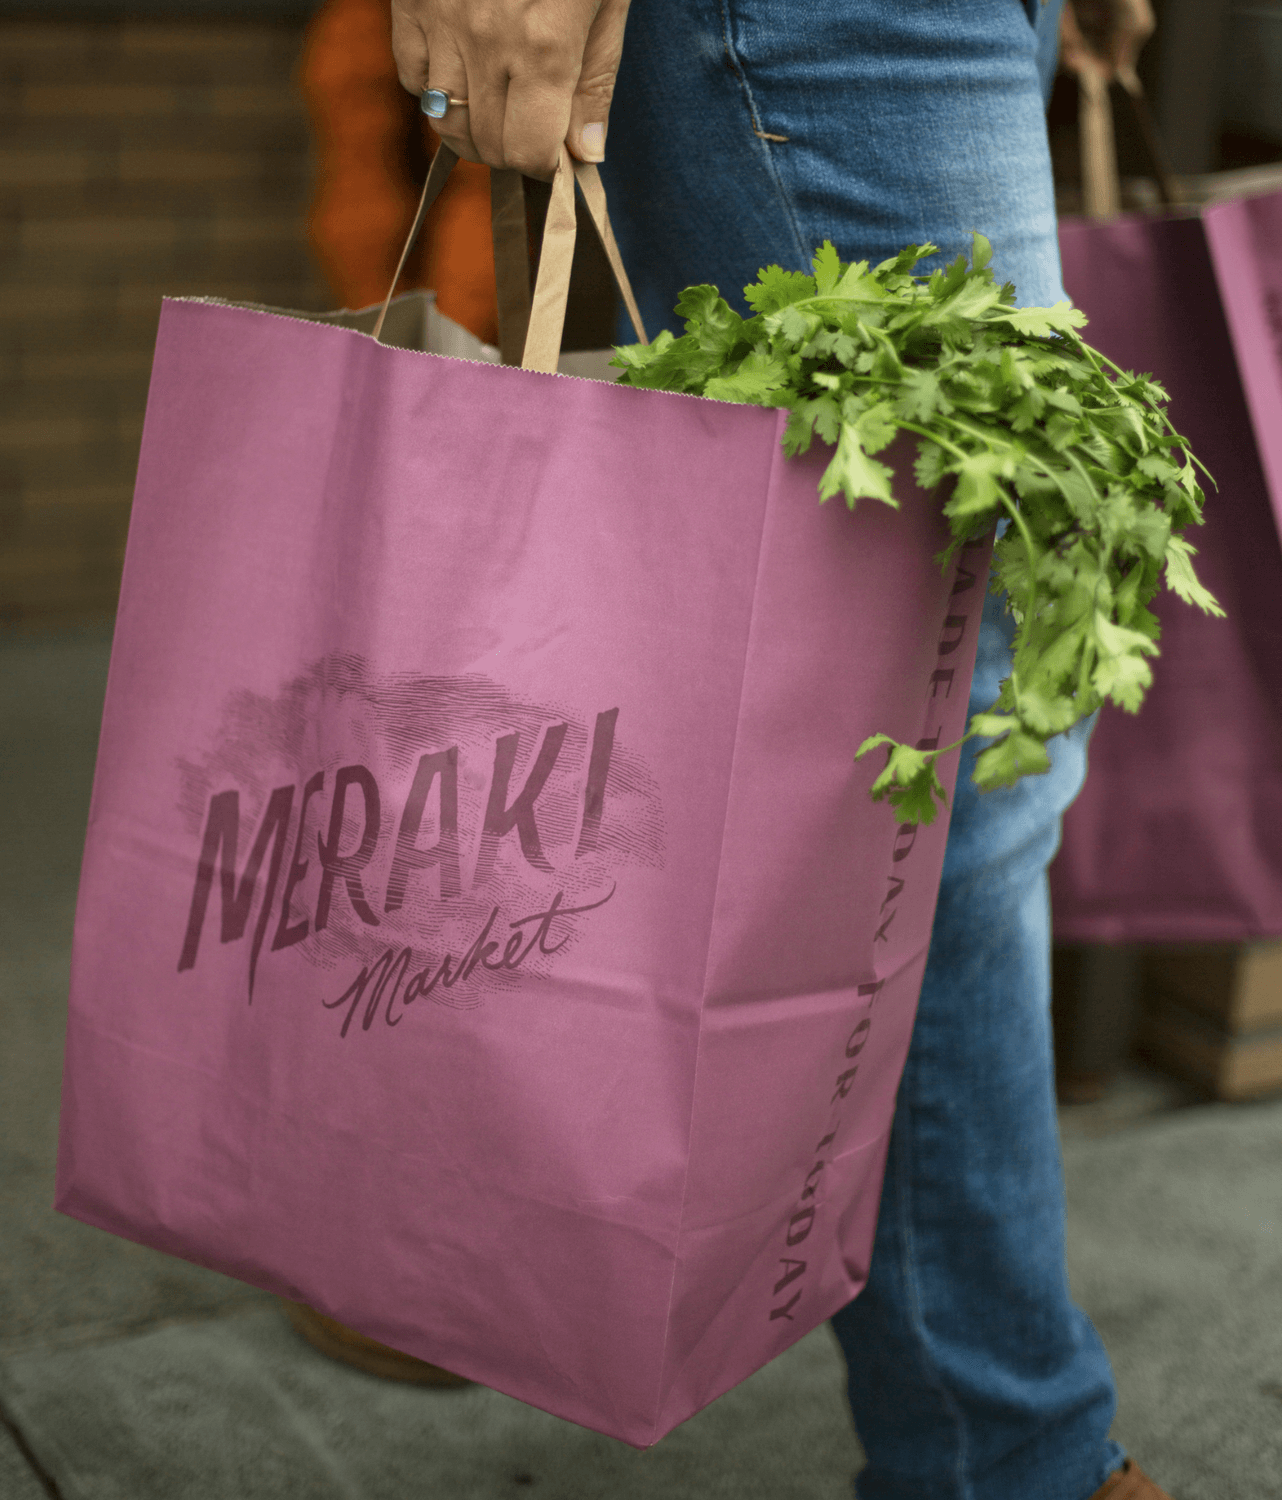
x=765, y=146
x=916, y=1317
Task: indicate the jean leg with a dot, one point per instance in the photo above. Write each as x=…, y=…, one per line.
x=743, y=133
x=967, y=1318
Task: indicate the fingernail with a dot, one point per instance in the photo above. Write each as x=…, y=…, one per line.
x=592, y=142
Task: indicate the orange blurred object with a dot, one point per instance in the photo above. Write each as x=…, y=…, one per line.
x=365, y=126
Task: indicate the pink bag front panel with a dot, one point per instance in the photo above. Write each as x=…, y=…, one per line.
x=1177, y=836
x=624, y=658
x=822, y=924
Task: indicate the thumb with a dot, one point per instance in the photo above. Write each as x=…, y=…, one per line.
x=590, y=107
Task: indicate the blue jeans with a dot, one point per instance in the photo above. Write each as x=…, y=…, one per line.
x=743, y=133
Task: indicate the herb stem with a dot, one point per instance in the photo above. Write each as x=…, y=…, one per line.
x=931, y=435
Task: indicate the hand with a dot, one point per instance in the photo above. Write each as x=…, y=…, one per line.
x=535, y=73
x=1104, y=35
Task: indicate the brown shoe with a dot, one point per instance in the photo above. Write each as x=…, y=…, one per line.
x=1129, y=1483
x=343, y=1343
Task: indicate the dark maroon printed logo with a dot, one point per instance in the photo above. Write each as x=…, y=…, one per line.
x=410, y=837
x=789, y=1286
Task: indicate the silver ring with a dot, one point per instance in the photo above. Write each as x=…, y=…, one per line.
x=434, y=103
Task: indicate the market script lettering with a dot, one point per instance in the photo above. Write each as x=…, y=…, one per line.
x=789, y=1285
x=378, y=986
x=278, y=864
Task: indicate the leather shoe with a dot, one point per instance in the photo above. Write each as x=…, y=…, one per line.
x=341, y=1342
x=1129, y=1483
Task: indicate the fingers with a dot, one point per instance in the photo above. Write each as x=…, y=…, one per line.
x=409, y=47
x=421, y=65
x=535, y=73
x=590, y=106
x=534, y=126
x=539, y=54
x=448, y=73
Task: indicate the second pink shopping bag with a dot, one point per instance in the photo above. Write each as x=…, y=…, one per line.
x=1177, y=837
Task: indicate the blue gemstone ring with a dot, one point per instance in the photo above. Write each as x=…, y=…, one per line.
x=434, y=103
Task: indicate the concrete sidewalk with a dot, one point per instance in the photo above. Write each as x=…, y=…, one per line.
x=124, y=1373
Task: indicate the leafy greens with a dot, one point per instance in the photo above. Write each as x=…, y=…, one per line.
x=1017, y=419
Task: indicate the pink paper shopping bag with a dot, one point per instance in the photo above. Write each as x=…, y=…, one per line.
x=486, y=935
x=1177, y=837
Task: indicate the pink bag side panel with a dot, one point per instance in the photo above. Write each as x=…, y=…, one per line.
x=1177, y=836
x=822, y=920
x=1245, y=238
x=394, y=919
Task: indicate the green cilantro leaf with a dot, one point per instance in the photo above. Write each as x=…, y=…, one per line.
x=776, y=288
x=922, y=396
x=1181, y=579
x=854, y=474
x=758, y=379
x=910, y=781
x=1041, y=322
x=828, y=268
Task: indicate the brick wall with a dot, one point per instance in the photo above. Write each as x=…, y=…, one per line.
x=137, y=159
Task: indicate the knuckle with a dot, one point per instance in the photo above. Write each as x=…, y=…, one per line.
x=411, y=66
x=488, y=28
x=452, y=137
x=485, y=36
x=546, y=55
x=532, y=163
x=487, y=150
x=596, y=90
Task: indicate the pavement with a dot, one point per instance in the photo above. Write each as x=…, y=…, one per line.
x=128, y=1375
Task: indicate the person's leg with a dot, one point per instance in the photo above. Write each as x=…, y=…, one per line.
x=743, y=133
x=971, y=1373
x=1044, y=15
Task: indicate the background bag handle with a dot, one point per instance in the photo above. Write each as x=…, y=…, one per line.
x=1101, y=189
x=1168, y=186
x=530, y=328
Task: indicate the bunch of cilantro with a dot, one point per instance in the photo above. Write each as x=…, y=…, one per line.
x=1018, y=419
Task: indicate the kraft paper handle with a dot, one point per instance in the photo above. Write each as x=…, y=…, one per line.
x=589, y=180
x=547, y=310
x=530, y=327
x=442, y=165
x=511, y=261
x=1168, y=186
x=1101, y=188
